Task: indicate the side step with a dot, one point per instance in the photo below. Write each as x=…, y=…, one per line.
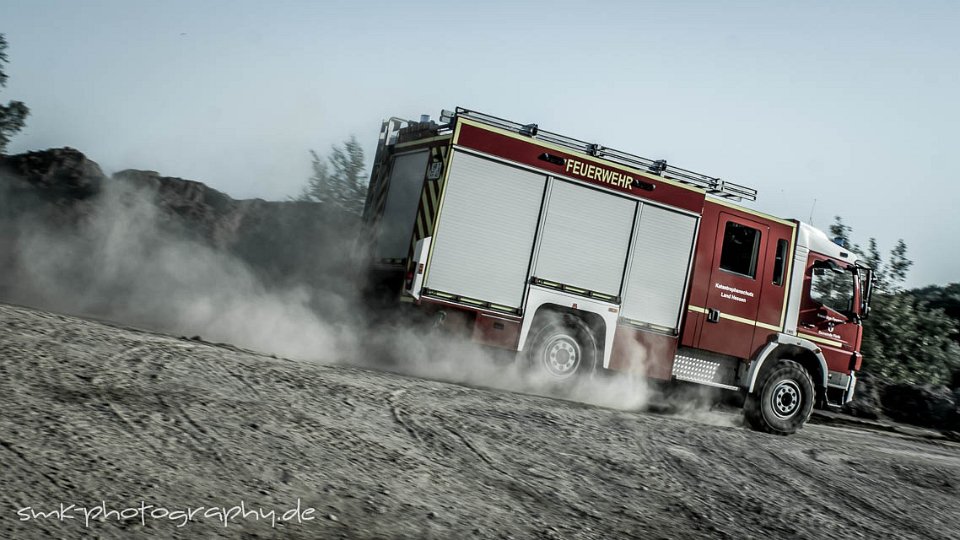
x=706, y=368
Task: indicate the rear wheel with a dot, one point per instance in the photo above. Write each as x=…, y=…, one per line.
x=783, y=401
x=563, y=350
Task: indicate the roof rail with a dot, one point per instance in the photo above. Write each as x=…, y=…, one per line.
x=659, y=167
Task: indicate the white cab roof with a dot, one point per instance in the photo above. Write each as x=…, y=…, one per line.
x=816, y=240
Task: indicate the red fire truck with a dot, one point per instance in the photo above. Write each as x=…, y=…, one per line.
x=584, y=258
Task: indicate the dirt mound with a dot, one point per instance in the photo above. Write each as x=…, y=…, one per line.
x=59, y=174
x=206, y=212
x=285, y=243
x=54, y=187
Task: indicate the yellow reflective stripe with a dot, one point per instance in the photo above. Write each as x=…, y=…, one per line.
x=567, y=150
x=766, y=326
x=819, y=339
x=456, y=132
x=734, y=318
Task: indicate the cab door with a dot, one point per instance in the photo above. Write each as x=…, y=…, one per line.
x=733, y=295
x=828, y=310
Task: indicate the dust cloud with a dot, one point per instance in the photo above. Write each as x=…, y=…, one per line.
x=123, y=263
x=441, y=356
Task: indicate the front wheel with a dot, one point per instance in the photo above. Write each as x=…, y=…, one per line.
x=784, y=400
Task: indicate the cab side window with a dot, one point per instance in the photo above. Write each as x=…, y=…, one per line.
x=779, y=263
x=740, y=247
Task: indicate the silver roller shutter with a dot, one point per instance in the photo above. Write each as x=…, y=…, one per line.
x=400, y=210
x=486, y=231
x=658, y=270
x=585, y=238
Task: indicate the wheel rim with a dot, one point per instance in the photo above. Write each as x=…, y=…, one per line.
x=786, y=399
x=562, y=356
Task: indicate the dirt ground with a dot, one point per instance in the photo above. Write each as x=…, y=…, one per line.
x=97, y=414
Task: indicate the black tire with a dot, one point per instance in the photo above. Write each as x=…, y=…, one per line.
x=563, y=350
x=783, y=401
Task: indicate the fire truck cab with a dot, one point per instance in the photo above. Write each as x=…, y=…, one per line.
x=584, y=258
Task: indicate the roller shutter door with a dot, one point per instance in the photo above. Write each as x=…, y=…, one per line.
x=486, y=230
x=658, y=271
x=585, y=238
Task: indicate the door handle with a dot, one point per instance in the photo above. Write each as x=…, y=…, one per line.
x=713, y=315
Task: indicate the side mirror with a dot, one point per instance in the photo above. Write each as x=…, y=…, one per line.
x=867, y=283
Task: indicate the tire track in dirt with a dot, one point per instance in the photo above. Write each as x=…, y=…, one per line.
x=841, y=496
x=445, y=439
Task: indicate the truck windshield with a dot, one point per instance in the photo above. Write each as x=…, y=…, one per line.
x=833, y=289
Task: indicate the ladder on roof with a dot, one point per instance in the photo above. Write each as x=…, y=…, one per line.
x=659, y=167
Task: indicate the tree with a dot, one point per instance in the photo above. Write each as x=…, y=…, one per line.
x=889, y=276
x=13, y=115
x=841, y=232
x=906, y=338
x=948, y=299
x=907, y=341
x=340, y=180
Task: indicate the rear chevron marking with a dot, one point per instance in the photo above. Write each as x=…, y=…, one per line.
x=427, y=214
x=420, y=219
x=434, y=189
x=429, y=203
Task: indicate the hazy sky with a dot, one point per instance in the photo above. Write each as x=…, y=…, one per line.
x=854, y=105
